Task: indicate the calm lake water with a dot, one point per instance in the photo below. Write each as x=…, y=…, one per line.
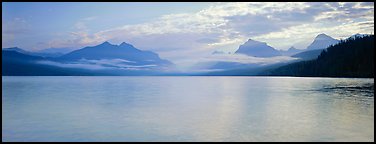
x=187, y=109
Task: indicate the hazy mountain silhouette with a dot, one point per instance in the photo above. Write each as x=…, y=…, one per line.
x=322, y=41
x=104, y=59
x=308, y=55
x=125, y=59
x=33, y=53
x=53, y=52
x=123, y=51
x=15, y=63
x=257, y=49
x=291, y=51
x=17, y=49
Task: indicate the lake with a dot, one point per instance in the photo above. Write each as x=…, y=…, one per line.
x=198, y=108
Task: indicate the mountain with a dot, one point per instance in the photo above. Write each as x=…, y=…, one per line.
x=257, y=49
x=52, y=52
x=17, y=50
x=256, y=53
x=33, y=53
x=322, y=41
x=51, y=55
x=313, y=54
x=349, y=58
x=291, y=51
x=15, y=63
x=104, y=59
x=56, y=50
x=127, y=52
x=15, y=54
x=18, y=64
x=308, y=55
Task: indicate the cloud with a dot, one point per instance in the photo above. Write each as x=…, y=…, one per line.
x=205, y=64
x=116, y=63
x=244, y=59
x=347, y=12
x=73, y=65
x=80, y=37
x=295, y=37
x=207, y=40
x=101, y=64
x=183, y=36
x=245, y=19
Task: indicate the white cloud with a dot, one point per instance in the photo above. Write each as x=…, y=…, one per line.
x=73, y=65
x=183, y=36
x=204, y=64
x=116, y=63
x=101, y=64
x=244, y=59
x=293, y=35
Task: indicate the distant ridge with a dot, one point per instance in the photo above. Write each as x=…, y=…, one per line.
x=257, y=49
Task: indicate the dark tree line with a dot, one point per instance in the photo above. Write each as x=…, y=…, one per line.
x=352, y=57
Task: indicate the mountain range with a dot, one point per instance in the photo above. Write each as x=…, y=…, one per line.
x=319, y=44
x=103, y=59
x=127, y=52
x=250, y=58
x=261, y=51
x=50, y=52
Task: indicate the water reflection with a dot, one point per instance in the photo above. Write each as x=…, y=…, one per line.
x=318, y=115
x=187, y=109
x=358, y=89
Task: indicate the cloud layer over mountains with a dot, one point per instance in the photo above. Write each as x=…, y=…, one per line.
x=181, y=37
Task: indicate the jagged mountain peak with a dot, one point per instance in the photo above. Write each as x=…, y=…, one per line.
x=292, y=48
x=322, y=41
x=254, y=42
x=105, y=43
x=124, y=44
x=257, y=49
x=322, y=35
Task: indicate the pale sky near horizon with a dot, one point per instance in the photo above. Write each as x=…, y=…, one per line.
x=179, y=31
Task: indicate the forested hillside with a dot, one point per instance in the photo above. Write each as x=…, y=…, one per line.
x=352, y=57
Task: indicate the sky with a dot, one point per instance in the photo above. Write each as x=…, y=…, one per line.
x=180, y=32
